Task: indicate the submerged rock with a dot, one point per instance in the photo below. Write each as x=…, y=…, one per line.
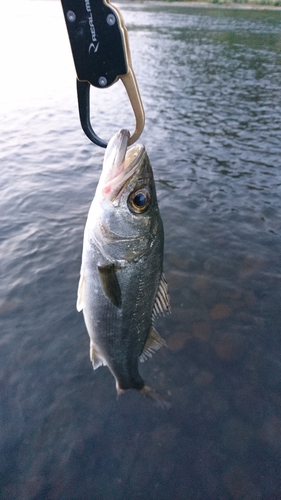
x=177, y=341
x=240, y=485
x=220, y=311
x=201, y=330
x=229, y=347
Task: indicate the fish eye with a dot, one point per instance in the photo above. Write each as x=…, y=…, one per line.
x=139, y=201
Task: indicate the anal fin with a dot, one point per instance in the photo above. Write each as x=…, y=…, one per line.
x=96, y=359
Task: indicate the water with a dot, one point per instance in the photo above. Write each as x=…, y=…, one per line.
x=210, y=81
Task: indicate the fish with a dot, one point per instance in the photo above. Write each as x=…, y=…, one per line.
x=122, y=287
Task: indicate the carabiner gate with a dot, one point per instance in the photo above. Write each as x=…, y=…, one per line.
x=100, y=49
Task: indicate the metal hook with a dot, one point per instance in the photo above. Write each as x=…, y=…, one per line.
x=83, y=93
x=101, y=54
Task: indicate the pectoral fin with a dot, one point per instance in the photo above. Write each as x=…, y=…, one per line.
x=81, y=292
x=110, y=285
x=153, y=343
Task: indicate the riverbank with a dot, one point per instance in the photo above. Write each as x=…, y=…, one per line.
x=256, y=4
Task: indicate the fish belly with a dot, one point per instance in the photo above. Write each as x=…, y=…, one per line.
x=118, y=334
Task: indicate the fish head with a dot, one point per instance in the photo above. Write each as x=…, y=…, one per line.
x=125, y=202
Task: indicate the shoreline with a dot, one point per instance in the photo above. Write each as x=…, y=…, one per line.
x=208, y=5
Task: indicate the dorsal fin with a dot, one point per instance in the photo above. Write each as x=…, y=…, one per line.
x=153, y=343
x=162, y=300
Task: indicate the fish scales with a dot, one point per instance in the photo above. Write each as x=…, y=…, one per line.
x=121, y=281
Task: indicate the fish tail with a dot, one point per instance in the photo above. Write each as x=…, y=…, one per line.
x=119, y=391
x=150, y=393
x=155, y=397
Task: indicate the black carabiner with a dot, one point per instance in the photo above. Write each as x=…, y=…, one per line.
x=100, y=50
x=83, y=94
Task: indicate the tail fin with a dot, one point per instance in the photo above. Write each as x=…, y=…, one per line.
x=155, y=397
x=151, y=394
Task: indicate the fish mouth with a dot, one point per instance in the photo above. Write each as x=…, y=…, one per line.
x=119, y=164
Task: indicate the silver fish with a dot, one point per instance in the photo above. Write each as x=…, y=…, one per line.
x=122, y=287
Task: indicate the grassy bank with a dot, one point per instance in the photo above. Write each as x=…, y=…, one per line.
x=250, y=3
x=272, y=3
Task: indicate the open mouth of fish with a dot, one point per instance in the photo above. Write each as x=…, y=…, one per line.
x=120, y=163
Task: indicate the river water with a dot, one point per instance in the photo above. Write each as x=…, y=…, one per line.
x=210, y=81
